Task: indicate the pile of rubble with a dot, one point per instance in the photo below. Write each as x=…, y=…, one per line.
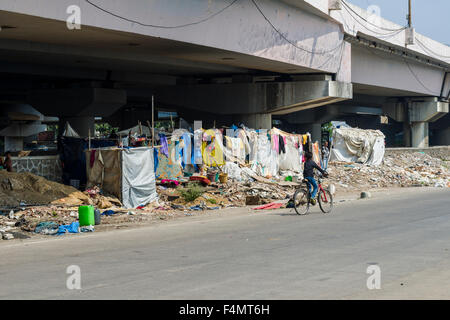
x=230, y=194
x=397, y=170
x=17, y=189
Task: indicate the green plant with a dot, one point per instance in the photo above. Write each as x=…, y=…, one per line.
x=191, y=192
x=212, y=201
x=105, y=129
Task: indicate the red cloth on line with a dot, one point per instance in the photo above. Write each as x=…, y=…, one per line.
x=92, y=160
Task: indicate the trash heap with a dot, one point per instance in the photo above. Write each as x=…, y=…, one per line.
x=33, y=204
x=226, y=195
x=397, y=170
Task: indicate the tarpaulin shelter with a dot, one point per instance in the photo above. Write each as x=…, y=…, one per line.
x=358, y=145
x=128, y=174
x=73, y=158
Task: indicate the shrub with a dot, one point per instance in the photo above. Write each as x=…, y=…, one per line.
x=191, y=192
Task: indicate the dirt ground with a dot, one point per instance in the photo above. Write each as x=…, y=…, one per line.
x=28, y=189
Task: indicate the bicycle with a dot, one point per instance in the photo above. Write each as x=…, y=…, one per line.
x=302, y=198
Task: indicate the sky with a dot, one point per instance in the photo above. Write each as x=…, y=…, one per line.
x=429, y=17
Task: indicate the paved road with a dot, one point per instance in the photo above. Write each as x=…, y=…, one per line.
x=258, y=255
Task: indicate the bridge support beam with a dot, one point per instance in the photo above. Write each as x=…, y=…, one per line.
x=255, y=98
x=256, y=121
x=416, y=114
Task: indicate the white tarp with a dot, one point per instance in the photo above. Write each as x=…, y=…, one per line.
x=135, y=130
x=138, y=177
x=291, y=160
x=69, y=132
x=358, y=145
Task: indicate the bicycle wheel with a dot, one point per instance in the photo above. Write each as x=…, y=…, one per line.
x=301, y=203
x=325, y=201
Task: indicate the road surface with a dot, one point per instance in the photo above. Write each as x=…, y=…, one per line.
x=250, y=255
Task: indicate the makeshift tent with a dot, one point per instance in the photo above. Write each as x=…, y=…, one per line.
x=127, y=174
x=358, y=145
x=70, y=132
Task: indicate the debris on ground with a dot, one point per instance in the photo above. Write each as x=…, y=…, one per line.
x=34, y=205
x=397, y=170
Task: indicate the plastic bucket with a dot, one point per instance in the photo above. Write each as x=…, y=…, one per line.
x=97, y=217
x=212, y=176
x=86, y=216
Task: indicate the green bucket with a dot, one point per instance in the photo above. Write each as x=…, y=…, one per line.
x=86, y=216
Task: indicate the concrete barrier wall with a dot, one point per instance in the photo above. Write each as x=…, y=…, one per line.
x=442, y=152
x=48, y=167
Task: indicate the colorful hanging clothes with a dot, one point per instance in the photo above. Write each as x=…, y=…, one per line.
x=187, y=149
x=315, y=152
x=164, y=144
x=198, y=138
x=275, y=142
x=212, y=149
x=169, y=167
x=282, y=142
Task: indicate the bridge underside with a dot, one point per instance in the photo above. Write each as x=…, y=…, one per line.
x=210, y=75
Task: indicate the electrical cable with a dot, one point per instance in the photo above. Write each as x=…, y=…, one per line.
x=160, y=26
x=321, y=52
x=423, y=46
x=334, y=56
x=386, y=35
x=417, y=78
x=382, y=28
x=410, y=70
x=390, y=35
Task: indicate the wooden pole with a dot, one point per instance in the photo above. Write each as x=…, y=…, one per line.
x=149, y=128
x=409, y=14
x=153, y=121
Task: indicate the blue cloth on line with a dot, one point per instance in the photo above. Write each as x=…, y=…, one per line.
x=164, y=144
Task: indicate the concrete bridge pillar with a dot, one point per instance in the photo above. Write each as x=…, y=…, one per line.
x=316, y=132
x=407, y=134
x=416, y=113
x=419, y=134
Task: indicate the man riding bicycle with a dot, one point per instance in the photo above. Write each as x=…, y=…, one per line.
x=308, y=174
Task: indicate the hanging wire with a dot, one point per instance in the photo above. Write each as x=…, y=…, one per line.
x=160, y=26
x=320, y=52
x=418, y=79
x=386, y=35
x=423, y=46
x=348, y=7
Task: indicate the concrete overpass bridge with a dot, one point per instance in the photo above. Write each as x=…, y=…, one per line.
x=301, y=61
